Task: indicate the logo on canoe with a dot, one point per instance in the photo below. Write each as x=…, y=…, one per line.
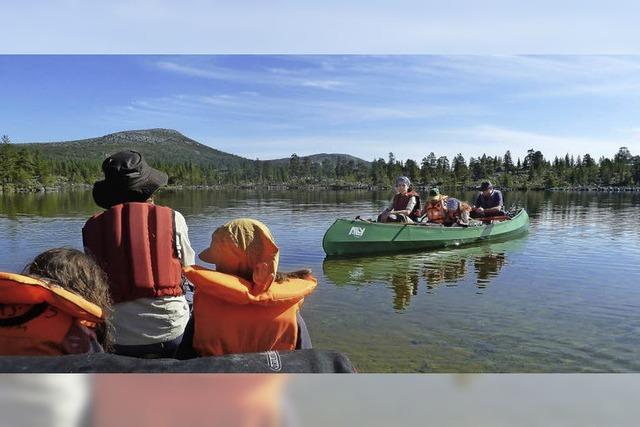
x=356, y=231
x=273, y=360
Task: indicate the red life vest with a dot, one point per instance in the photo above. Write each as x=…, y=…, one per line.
x=135, y=244
x=400, y=202
x=35, y=316
x=230, y=319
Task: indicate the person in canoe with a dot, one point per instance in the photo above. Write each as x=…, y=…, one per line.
x=489, y=201
x=59, y=305
x=245, y=305
x=435, y=208
x=457, y=212
x=142, y=247
x=405, y=205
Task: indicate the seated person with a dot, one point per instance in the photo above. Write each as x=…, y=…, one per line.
x=245, y=305
x=405, y=205
x=435, y=207
x=489, y=201
x=456, y=212
x=56, y=307
x=142, y=247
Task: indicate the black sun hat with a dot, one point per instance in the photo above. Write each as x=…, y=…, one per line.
x=127, y=178
x=486, y=185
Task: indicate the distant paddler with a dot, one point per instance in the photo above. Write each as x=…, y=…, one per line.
x=435, y=208
x=489, y=201
x=405, y=205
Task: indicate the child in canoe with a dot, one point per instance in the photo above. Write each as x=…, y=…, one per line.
x=245, y=305
x=58, y=306
x=405, y=205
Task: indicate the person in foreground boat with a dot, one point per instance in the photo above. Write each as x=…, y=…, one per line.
x=405, y=205
x=245, y=305
x=489, y=201
x=59, y=305
x=142, y=247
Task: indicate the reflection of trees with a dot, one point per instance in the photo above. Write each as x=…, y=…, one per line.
x=404, y=272
x=404, y=286
x=487, y=267
x=447, y=270
x=64, y=203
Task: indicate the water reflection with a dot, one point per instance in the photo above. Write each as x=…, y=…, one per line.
x=489, y=307
x=404, y=273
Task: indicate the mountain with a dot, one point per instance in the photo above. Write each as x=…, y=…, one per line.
x=156, y=145
x=319, y=158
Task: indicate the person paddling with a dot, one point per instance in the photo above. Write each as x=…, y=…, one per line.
x=405, y=205
x=246, y=305
x=489, y=201
x=59, y=305
x=142, y=247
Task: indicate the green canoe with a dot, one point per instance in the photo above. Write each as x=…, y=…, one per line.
x=356, y=237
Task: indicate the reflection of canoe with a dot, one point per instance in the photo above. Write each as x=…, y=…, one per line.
x=350, y=237
x=450, y=263
x=405, y=273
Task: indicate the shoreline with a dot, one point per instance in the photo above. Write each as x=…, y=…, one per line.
x=323, y=187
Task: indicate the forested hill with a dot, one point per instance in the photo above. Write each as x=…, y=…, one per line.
x=159, y=146
x=186, y=161
x=322, y=157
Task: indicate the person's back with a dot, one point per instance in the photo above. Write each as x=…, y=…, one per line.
x=244, y=305
x=142, y=247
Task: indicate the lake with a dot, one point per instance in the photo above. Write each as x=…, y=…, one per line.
x=565, y=297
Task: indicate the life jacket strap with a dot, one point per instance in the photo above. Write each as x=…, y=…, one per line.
x=33, y=312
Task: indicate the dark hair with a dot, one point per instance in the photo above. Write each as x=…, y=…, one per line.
x=486, y=185
x=77, y=272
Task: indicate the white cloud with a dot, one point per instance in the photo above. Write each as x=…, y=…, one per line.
x=323, y=84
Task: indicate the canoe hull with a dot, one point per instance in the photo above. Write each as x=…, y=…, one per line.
x=354, y=237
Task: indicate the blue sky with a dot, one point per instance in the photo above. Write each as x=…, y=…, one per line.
x=269, y=106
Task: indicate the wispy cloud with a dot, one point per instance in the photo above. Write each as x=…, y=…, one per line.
x=323, y=84
x=301, y=112
x=268, y=76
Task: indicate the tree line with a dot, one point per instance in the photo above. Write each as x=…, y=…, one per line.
x=26, y=168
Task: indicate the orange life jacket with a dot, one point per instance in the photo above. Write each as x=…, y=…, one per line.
x=435, y=211
x=35, y=316
x=400, y=203
x=230, y=319
x=134, y=243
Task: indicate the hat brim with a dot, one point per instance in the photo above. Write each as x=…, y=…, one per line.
x=206, y=256
x=107, y=193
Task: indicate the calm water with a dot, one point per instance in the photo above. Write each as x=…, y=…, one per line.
x=563, y=298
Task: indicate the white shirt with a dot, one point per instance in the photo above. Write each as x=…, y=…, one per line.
x=154, y=320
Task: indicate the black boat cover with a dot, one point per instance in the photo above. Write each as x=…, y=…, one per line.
x=299, y=361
